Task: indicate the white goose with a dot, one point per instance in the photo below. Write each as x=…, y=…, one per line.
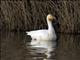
x=42, y=37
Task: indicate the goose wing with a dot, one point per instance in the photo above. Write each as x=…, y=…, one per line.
x=37, y=33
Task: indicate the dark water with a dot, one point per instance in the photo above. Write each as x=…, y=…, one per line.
x=14, y=46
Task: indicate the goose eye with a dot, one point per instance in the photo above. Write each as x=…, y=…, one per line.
x=35, y=39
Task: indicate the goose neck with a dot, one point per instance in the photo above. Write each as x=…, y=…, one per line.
x=50, y=26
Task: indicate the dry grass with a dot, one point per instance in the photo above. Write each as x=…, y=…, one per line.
x=31, y=15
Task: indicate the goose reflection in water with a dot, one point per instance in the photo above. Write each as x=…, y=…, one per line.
x=45, y=51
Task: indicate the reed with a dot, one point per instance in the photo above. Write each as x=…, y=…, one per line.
x=31, y=14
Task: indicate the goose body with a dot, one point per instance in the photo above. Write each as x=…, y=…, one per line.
x=44, y=36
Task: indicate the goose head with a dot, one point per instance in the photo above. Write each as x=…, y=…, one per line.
x=50, y=17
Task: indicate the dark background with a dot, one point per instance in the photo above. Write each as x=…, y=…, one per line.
x=22, y=15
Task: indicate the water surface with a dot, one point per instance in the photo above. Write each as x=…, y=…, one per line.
x=15, y=46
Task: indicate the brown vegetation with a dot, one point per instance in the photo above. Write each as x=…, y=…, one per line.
x=31, y=14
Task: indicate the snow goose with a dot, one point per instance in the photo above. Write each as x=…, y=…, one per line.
x=44, y=36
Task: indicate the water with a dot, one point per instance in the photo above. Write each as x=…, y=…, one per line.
x=15, y=46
